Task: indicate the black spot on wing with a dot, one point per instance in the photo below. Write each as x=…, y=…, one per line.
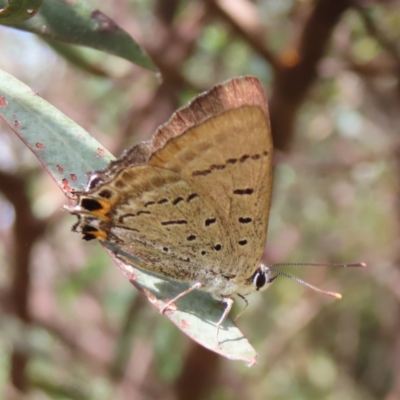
x=143, y=212
x=201, y=172
x=105, y=194
x=218, y=166
x=88, y=228
x=174, y=222
x=88, y=236
x=191, y=197
x=91, y=204
x=177, y=200
x=242, y=192
x=210, y=221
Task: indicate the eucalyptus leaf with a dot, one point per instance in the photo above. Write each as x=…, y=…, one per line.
x=79, y=24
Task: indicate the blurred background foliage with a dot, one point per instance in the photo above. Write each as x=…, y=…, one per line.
x=73, y=328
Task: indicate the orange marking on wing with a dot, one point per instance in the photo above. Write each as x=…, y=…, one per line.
x=102, y=212
x=100, y=235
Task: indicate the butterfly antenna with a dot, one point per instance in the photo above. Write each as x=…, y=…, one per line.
x=360, y=265
x=295, y=278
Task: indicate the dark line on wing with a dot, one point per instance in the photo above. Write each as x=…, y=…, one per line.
x=122, y=217
x=210, y=221
x=218, y=166
x=243, y=191
x=91, y=204
x=191, y=197
x=201, y=172
x=177, y=200
x=174, y=222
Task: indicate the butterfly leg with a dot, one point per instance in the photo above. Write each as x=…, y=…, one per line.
x=244, y=309
x=197, y=285
x=229, y=303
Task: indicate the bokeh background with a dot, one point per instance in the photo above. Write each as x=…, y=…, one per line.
x=72, y=327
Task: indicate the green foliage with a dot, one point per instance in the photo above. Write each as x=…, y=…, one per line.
x=78, y=23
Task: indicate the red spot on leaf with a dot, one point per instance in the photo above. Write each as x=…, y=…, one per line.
x=17, y=124
x=65, y=183
x=101, y=151
x=3, y=101
x=39, y=146
x=73, y=177
x=60, y=169
x=132, y=277
x=184, y=323
x=150, y=295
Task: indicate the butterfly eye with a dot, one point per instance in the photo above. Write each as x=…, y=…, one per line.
x=259, y=279
x=262, y=276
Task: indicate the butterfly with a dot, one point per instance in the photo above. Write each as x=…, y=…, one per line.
x=192, y=204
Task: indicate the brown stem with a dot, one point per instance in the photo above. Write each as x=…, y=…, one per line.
x=27, y=229
x=199, y=374
x=242, y=17
x=292, y=82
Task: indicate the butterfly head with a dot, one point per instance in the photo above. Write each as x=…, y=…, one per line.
x=263, y=277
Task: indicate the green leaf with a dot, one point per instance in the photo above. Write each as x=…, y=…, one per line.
x=18, y=10
x=68, y=153
x=77, y=23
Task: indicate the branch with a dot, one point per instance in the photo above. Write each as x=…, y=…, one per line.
x=27, y=230
x=292, y=82
x=243, y=18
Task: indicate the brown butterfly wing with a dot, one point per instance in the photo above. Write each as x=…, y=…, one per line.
x=196, y=200
x=161, y=219
x=228, y=160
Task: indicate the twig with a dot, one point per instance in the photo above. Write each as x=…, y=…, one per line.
x=243, y=18
x=292, y=82
x=27, y=230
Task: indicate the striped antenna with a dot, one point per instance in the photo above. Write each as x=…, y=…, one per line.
x=361, y=265
x=295, y=278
